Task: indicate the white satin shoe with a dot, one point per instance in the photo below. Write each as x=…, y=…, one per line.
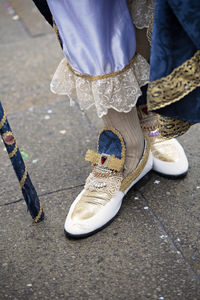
x=100, y=200
x=169, y=158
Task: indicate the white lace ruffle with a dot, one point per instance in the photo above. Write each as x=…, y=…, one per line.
x=119, y=92
x=141, y=12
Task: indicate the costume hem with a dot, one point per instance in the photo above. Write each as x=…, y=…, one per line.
x=173, y=87
x=170, y=127
x=170, y=89
x=104, y=76
x=119, y=91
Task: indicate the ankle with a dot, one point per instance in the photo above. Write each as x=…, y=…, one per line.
x=134, y=153
x=129, y=126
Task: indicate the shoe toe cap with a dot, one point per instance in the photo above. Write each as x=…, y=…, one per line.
x=176, y=162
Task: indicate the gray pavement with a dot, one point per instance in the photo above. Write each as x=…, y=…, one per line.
x=150, y=251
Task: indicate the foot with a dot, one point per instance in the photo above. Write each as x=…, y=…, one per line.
x=100, y=200
x=169, y=158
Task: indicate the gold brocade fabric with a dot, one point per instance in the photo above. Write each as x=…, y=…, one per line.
x=170, y=89
x=176, y=85
x=171, y=128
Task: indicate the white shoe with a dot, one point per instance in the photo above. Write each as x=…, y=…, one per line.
x=99, y=202
x=169, y=158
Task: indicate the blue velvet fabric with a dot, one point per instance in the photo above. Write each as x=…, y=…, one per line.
x=109, y=143
x=175, y=39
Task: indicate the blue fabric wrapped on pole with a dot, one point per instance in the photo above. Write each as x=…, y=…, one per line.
x=28, y=190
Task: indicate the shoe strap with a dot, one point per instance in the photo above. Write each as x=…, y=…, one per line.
x=110, y=150
x=104, y=160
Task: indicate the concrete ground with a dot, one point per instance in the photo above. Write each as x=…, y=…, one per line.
x=150, y=251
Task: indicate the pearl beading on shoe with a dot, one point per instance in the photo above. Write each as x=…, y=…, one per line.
x=98, y=184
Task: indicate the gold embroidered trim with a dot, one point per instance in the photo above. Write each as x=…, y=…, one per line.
x=126, y=182
x=22, y=181
x=3, y=120
x=11, y=154
x=112, y=162
x=115, y=163
x=36, y=219
x=92, y=157
x=109, y=185
x=8, y=133
x=171, y=128
x=175, y=86
x=96, y=77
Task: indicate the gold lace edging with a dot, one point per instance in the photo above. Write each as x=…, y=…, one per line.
x=171, y=128
x=126, y=182
x=97, y=77
x=172, y=88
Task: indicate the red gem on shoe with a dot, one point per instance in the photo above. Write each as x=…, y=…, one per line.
x=103, y=159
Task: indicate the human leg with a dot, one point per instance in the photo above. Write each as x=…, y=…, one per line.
x=128, y=125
